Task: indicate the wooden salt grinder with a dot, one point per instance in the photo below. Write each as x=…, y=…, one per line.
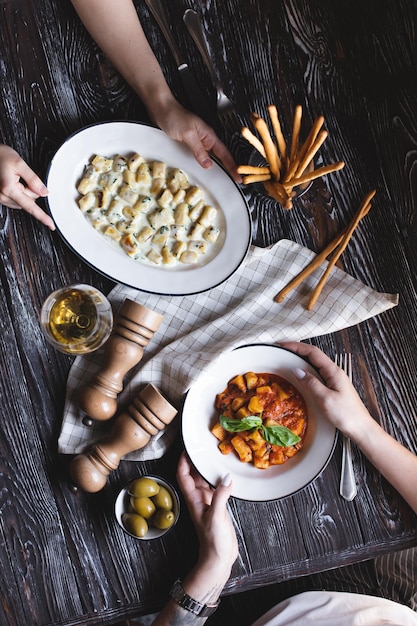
x=149, y=413
x=132, y=331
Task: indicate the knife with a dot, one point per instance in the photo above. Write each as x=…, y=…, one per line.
x=198, y=102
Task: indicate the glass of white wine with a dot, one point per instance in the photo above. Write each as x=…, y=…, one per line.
x=77, y=319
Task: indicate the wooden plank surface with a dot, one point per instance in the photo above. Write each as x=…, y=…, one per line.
x=63, y=559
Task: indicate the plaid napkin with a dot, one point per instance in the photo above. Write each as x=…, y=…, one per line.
x=197, y=329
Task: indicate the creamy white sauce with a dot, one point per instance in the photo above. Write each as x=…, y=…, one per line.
x=150, y=210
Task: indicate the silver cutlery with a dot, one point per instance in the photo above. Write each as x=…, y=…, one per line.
x=197, y=100
x=224, y=106
x=348, y=487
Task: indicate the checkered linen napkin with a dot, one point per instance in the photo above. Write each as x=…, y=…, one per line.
x=197, y=329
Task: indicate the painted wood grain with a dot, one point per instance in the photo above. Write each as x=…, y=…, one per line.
x=63, y=559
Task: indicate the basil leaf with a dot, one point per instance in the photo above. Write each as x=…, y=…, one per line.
x=279, y=436
x=276, y=435
x=236, y=426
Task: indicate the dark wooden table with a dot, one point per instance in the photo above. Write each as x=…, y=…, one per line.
x=63, y=560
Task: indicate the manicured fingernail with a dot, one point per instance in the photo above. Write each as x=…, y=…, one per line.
x=226, y=480
x=299, y=373
x=207, y=163
x=42, y=190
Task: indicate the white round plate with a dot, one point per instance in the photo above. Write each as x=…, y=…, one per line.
x=110, y=138
x=250, y=483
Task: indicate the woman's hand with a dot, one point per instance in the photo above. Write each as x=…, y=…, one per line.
x=116, y=28
x=208, y=511
x=336, y=398
x=341, y=405
x=15, y=194
x=217, y=541
x=182, y=125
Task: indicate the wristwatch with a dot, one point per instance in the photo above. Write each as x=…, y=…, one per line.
x=188, y=603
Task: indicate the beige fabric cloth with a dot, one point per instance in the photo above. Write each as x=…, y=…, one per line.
x=333, y=608
x=197, y=329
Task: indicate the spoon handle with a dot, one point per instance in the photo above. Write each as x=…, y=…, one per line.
x=348, y=488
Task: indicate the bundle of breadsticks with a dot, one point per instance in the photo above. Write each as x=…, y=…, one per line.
x=335, y=249
x=287, y=166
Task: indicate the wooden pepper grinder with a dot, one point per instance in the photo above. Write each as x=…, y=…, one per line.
x=149, y=413
x=132, y=331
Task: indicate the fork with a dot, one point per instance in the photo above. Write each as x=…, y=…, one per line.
x=347, y=487
x=224, y=106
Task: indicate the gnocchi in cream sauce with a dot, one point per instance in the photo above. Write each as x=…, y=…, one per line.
x=149, y=209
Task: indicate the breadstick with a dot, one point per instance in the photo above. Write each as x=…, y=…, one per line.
x=367, y=209
x=362, y=211
x=310, y=154
x=287, y=195
x=252, y=169
x=256, y=178
x=278, y=193
x=316, y=262
x=270, y=149
x=306, y=178
x=253, y=140
x=296, y=131
x=289, y=166
x=311, y=138
x=309, y=269
x=273, y=114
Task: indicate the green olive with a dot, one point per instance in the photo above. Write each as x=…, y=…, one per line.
x=143, y=506
x=163, y=519
x=143, y=487
x=135, y=524
x=163, y=499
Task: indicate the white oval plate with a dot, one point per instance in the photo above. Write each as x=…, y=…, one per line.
x=250, y=483
x=110, y=138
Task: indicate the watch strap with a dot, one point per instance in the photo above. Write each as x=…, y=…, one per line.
x=188, y=603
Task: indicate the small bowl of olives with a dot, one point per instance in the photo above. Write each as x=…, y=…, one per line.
x=147, y=507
